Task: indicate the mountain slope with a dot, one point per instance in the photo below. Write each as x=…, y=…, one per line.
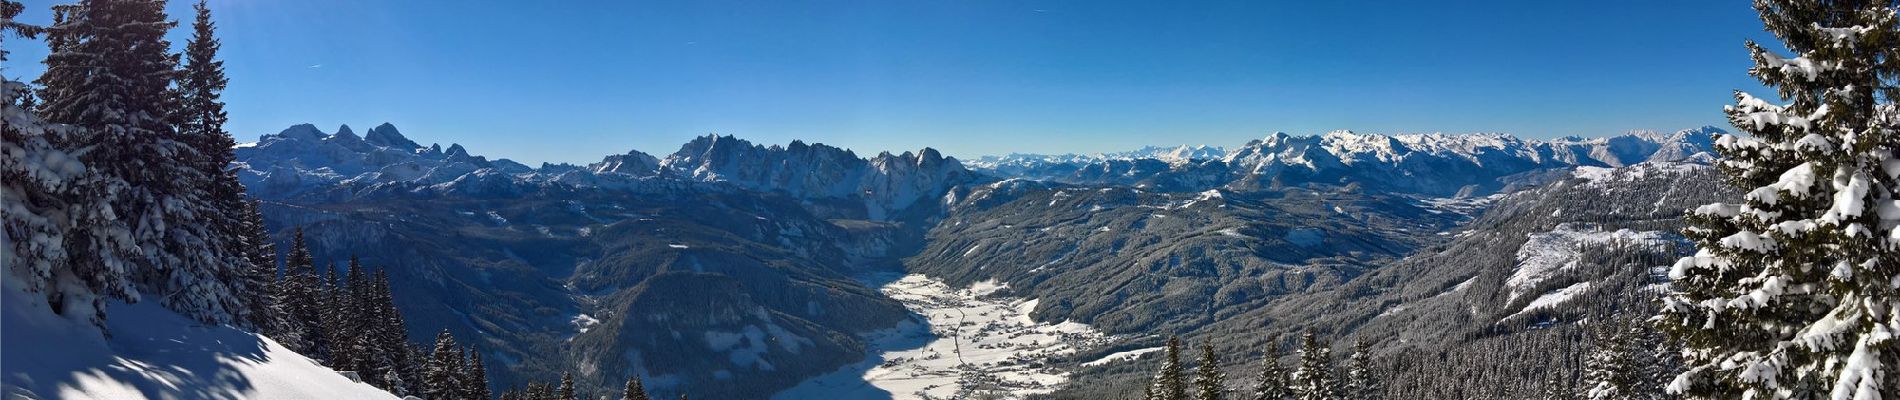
x=1514, y=280
x=153, y=353
x=725, y=262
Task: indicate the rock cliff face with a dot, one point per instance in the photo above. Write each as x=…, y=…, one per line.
x=887, y=183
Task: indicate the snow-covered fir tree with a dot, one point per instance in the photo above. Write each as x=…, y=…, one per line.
x=442, y=372
x=1360, y=381
x=1272, y=384
x=1556, y=388
x=299, y=290
x=635, y=390
x=475, y=376
x=1209, y=382
x=1313, y=380
x=200, y=119
x=1791, y=292
x=566, y=391
x=63, y=239
x=1170, y=382
x=330, y=319
x=109, y=74
x=270, y=316
x=1611, y=370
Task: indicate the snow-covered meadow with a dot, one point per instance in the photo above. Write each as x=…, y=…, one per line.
x=969, y=344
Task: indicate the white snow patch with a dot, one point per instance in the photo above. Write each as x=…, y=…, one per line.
x=1122, y=356
x=1553, y=298
x=584, y=322
x=969, y=346
x=1549, y=253
x=678, y=246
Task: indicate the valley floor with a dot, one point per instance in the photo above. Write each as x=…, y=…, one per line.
x=970, y=344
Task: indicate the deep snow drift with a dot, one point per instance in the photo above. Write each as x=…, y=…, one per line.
x=153, y=353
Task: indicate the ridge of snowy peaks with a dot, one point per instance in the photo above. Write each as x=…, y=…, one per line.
x=304, y=162
x=1173, y=155
x=1433, y=164
x=1182, y=154
x=887, y=182
x=303, y=158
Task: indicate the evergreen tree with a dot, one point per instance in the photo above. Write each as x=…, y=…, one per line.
x=1790, y=293
x=64, y=241
x=1361, y=383
x=356, y=324
x=200, y=123
x=441, y=373
x=110, y=74
x=268, y=313
x=383, y=336
x=1272, y=384
x=332, y=349
x=1314, y=379
x=1170, y=382
x=1209, y=382
x=566, y=392
x=539, y=391
x=1658, y=361
x=10, y=9
x=69, y=243
x=1609, y=371
x=477, y=378
x=299, y=291
x=634, y=391
x=1556, y=388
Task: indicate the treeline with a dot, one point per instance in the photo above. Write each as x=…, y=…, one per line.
x=1623, y=359
x=1314, y=378
x=565, y=390
x=349, y=322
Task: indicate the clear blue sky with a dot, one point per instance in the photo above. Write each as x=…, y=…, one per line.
x=575, y=80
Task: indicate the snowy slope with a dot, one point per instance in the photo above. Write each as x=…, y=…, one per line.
x=152, y=353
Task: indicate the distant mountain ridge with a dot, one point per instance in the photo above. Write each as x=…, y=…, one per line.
x=1432, y=164
x=303, y=162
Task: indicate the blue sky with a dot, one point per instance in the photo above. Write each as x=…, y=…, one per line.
x=575, y=80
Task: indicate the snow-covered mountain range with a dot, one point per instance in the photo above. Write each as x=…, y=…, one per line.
x=771, y=235
x=1433, y=164
x=305, y=162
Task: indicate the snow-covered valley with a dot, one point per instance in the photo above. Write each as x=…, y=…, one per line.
x=962, y=343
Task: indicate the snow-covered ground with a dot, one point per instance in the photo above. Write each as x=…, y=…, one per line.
x=1553, y=298
x=1122, y=356
x=153, y=353
x=1549, y=253
x=973, y=346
